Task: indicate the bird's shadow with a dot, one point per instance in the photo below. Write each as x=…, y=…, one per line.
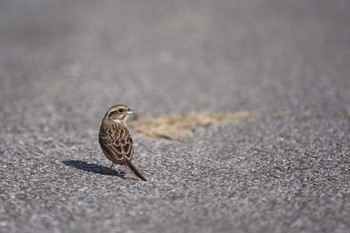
x=94, y=168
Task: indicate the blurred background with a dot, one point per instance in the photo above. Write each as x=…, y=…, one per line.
x=63, y=63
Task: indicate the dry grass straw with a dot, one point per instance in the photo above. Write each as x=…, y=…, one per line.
x=172, y=127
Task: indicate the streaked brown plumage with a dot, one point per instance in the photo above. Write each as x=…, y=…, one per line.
x=115, y=140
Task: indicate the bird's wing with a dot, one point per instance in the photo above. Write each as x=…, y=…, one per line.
x=118, y=148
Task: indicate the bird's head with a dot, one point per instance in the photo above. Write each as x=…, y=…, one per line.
x=119, y=113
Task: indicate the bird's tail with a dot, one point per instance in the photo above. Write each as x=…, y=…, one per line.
x=134, y=169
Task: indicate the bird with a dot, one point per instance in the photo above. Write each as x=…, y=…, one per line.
x=115, y=140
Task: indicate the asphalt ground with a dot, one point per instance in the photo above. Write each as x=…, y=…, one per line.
x=63, y=63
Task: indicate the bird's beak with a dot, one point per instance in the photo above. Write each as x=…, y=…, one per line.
x=131, y=112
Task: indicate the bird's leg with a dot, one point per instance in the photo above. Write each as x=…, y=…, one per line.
x=110, y=171
x=124, y=163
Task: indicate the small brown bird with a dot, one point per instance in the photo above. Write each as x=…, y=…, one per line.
x=115, y=139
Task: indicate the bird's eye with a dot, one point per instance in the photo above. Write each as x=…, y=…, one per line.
x=121, y=110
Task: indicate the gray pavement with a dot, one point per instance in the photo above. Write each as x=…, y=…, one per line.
x=63, y=63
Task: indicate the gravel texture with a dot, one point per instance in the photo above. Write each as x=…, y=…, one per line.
x=63, y=63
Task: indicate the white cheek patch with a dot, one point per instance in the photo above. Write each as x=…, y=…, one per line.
x=117, y=121
x=121, y=121
x=125, y=118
